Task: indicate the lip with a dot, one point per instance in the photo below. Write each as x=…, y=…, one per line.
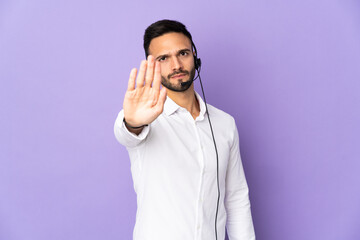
x=179, y=75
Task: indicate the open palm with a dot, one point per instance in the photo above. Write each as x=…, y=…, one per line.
x=145, y=103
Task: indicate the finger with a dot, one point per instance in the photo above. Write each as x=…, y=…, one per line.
x=141, y=75
x=149, y=71
x=161, y=100
x=157, y=77
x=131, y=83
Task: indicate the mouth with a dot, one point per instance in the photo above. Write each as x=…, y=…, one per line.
x=179, y=76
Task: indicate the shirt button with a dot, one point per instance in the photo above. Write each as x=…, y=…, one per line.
x=198, y=226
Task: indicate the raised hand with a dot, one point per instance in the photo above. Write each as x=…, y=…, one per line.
x=145, y=103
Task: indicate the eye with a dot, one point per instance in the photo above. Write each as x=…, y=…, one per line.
x=183, y=53
x=163, y=58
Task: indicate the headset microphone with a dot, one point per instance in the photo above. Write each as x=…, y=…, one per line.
x=183, y=84
x=197, y=62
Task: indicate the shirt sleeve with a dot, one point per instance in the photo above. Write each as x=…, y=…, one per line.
x=239, y=223
x=124, y=136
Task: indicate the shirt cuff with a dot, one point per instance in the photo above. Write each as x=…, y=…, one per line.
x=141, y=136
x=124, y=136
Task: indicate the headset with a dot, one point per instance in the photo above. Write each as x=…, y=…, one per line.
x=197, y=62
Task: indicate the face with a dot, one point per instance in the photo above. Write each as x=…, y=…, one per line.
x=174, y=52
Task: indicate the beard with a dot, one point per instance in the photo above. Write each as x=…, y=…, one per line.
x=177, y=87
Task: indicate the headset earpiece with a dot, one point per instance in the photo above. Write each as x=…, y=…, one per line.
x=197, y=62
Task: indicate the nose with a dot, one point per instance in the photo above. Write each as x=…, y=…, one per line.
x=176, y=63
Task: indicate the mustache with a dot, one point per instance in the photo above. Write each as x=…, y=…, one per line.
x=178, y=72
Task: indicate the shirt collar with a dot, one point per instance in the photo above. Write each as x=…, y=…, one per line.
x=170, y=107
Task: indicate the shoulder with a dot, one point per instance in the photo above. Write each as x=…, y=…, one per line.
x=223, y=123
x=220, y=116
x=224, y=126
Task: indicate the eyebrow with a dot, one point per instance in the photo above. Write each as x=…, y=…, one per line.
x=166, y=55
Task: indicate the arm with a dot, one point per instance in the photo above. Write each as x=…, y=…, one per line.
x=135, y=130
x=239, y=223
x=126, y=137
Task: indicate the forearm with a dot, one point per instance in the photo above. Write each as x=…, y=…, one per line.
x=239, y=220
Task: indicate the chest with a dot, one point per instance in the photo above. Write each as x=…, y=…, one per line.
x=184, y=146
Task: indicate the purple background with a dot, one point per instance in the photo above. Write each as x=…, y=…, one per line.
x=288, y=71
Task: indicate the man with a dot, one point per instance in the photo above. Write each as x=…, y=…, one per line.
x=171, y=148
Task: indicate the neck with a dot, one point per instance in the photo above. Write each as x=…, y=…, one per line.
x=186, y=100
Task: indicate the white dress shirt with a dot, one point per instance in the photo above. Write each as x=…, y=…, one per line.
x=173, y=166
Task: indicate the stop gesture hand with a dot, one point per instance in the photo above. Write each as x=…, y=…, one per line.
x=143, y=104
